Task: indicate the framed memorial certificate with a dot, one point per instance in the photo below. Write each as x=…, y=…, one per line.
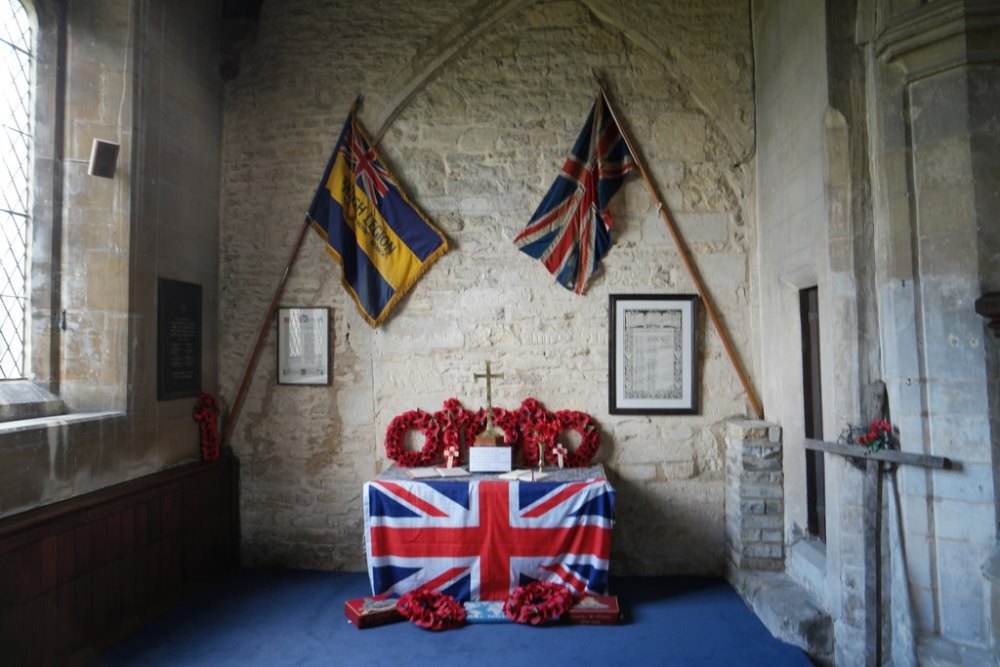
x=651, y=356
x=304, y=346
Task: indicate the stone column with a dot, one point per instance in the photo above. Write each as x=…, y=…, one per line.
x=755, y=507
x=933, y=88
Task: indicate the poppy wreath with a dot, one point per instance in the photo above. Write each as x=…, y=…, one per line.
x=529, y=426
x=538, y=602
x=590, y=439
x=541, y=433
x=459, y=425
x=508, y=422
x=414, y=420
x=206, y=413
x=535, y=424
x=431, y=609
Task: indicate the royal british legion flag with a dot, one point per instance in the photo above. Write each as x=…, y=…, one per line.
x=479, y=540
x=381, y=240
x=571, y=230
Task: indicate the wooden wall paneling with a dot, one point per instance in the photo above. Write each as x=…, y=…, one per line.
x=77, y=574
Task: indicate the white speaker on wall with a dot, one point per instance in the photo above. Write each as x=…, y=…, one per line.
x=103, y=158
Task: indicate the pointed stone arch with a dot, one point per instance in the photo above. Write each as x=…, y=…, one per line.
x=458, y=37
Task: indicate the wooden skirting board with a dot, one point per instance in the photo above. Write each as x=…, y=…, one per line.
x=78, y=574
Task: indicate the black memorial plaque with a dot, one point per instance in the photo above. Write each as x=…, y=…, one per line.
x=178, y=343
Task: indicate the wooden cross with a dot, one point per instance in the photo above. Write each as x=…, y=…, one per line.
x=489, y=394
x=872, y=523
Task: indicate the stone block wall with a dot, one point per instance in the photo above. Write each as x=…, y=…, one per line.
x=485, y=99
x=936, y=228
x=755, y=506
x=877, y=183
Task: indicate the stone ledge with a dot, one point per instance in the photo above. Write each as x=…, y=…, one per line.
x=56, y=421
x=745, y=430
x=23, y=399
x=937, y=650
x=788, y=611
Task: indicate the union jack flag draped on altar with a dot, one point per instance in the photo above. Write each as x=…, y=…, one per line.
x=382, y=241
x=479, y=540
x=571, y=230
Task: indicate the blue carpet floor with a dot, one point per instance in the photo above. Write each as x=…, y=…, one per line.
x=253, y=618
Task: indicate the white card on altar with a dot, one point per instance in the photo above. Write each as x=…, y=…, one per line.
x=526, y=475
x=489, y=459
x=421, y=473
x=427, y=473
x=452, y=472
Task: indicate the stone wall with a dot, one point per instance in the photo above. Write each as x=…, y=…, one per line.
x=484, y=99
x=935, y=229
x=887, y=98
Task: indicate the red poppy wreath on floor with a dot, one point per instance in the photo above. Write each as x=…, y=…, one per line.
x=538, y=602
x=431, y=609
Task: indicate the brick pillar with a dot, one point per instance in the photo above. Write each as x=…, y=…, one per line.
x=755, y=506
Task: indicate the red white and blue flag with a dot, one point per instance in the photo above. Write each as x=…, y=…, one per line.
x=381, y=240
x=479, y=540
x=571, y=230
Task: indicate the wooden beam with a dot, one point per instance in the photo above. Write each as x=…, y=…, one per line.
x=887, y=455
x=872, y=524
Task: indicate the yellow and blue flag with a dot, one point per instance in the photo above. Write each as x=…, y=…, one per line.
x=381, y=240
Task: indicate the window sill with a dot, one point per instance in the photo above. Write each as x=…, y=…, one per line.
x=807, y=565
x=812, y=551
x=40, y=423
x=23, y=399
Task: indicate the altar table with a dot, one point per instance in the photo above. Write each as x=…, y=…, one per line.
x=479, y=537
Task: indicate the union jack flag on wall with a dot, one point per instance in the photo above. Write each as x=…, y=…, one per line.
x=478, y=540
x=571, y=230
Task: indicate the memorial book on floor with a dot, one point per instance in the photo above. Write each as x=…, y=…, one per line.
x=368, y=611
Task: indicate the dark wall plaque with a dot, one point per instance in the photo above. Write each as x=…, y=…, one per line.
x=178, y=341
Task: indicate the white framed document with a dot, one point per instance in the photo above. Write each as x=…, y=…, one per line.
x=304, y=346
x=651, y=356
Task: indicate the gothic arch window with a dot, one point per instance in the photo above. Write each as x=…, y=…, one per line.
x=17, y=54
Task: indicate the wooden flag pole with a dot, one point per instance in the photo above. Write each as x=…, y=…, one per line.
x=265, y=328
x=685, y=256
